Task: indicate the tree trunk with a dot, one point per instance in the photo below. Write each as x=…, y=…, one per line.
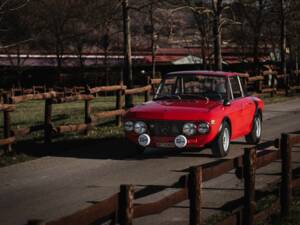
x=19, y=67
x=153, y=41
x=127, y=71
x=106, y=66
x=58, y=59
x=256, y=68
x=283, y=37
x=217, y=42
x=297, y=59
x=203, y=53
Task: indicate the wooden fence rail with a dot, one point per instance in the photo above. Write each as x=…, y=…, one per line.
x=266, y=83
x=60, y=97
x=121, y=207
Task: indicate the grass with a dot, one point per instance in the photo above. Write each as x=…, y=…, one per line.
x=268, y=100
x=264, y=203
x=215, y=219
x=6, y=160
x=292, y=219
x=32, y=113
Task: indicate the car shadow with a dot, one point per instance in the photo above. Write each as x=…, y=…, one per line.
x=116, y=148
x=108, y=148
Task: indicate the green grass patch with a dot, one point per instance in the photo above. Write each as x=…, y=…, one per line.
x=6, y=160
x=276, y=99
x=32, y=113
x=292, y=219
x=212, y=220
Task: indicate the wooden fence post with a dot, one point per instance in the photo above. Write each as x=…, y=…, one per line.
x=147, y=93
x=119, y=104
x=6, y=123
x=195, y=192
x=87, y=110
x=12, y=92
x=48, y=121
x=249, y=161
x=286, y=84
x=126, y=197
x=286, y=175
x=273, y=85
x=259, y=85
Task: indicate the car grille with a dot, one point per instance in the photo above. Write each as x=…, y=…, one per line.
x=165, y=128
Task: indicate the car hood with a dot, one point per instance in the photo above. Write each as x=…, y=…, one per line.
x=188, y=110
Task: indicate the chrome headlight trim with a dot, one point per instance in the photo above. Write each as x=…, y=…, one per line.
x=128, y=126
x=140, y=127
x=203, y=127
x=189, y=129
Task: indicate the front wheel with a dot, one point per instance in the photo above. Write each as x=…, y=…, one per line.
x=254, y=136
x=134, y=148
x=220, y=146
x=139, y=150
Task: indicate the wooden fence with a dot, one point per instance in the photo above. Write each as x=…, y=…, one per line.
x=52, y=97
x=120, y=208
x=263, y=84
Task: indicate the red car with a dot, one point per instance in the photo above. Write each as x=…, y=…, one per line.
x=193, y=109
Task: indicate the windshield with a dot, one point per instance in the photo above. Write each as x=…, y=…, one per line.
x=193, y=86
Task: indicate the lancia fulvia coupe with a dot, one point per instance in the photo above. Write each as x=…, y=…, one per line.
x=194, y=109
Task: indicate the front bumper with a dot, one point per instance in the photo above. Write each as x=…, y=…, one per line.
x=169, y=142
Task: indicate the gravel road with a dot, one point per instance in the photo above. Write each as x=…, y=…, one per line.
x=69, y=180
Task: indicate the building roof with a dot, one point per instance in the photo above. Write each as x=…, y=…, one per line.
x=203, y=72
x=164, y=56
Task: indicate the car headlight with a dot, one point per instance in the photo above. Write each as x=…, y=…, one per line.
x=189, y=129
x=128, y=126
x=140, y=128
x=203, y=128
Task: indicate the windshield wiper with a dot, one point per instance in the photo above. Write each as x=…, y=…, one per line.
x=168, y=97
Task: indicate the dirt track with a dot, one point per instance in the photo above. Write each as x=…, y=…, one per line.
x=66, y=181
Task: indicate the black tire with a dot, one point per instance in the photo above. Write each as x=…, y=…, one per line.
x=221, y=145
x=134, y=148
x=254, y=136
x=139, y=150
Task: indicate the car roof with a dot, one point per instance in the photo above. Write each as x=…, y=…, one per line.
x=203, y=72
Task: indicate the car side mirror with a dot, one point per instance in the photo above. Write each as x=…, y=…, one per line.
x=226, y=102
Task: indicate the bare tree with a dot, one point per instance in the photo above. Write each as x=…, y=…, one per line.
x=202, y=19
x=15, y=33
x=255, y=12
x=60, y=23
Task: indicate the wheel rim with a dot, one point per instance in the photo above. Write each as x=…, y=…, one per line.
x=226, y=139
x=257, y=127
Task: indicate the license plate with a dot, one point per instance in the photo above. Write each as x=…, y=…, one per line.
x=165, y=145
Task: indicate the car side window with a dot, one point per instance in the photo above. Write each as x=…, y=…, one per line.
x=236, y=87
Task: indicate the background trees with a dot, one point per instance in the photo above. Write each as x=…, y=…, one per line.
x=88, y=26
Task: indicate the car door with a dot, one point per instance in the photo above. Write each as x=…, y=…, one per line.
x=249, y=109
x=237, y=114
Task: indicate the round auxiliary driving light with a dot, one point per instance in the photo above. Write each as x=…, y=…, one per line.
x=144, y=140
x=180, y=141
